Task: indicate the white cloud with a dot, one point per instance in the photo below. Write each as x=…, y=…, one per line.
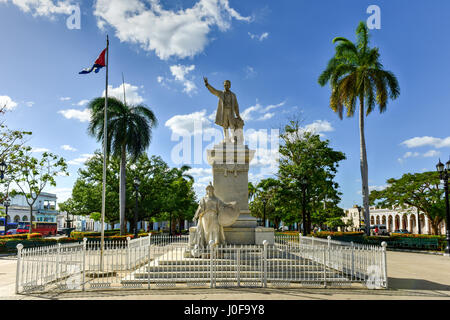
x=82, y=103
x=199, y=172
x=246, y=115
x=319, y=126
x=261, y=37
x=62, y=194
x=7, y=103
x=80, y=160
x=68, y=147
x=189, y=124
x=266, y=116
x=182, y=33
x=47, y=8
x=39, y=150
x=431, y=154
x=29, y=103
x=131, y=93
x=250, y=72
x=179, y=72
x=427, y=141
x=372, y=188
x=409, y=154
x=64, y=98
x=81, y=115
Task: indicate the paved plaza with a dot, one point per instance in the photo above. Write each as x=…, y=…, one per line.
x=411, y=276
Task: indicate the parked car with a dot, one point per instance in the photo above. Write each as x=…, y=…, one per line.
x=382, y=230
x=11, y=231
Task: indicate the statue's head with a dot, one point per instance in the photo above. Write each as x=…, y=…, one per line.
x=210, y=190
x=227, y=84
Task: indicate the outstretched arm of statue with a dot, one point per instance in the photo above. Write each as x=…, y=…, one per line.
x=211, y=88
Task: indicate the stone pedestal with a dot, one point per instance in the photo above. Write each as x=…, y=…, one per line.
x=230, y=165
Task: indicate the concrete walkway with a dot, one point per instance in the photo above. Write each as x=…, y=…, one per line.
x=411, y=276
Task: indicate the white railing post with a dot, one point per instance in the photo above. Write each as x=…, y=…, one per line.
x=128, y=254
x=329, y=249
x=148, y=260
x=58, y=262
x=238, y=267
x=19, y=264
x=84, y=262
x=211, y=258
x=265, y=243
x=353, y=261
x=324, y=257
x=384, y=262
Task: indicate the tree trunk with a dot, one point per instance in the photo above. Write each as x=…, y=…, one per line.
x=31, y=219
x=122, y=190
x=364, y=167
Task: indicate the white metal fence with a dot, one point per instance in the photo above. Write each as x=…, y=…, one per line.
x=166, y=261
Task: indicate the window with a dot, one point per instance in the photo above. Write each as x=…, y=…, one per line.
x=25, y=218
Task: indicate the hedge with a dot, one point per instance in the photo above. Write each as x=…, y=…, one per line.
x=395, y=240
x=81, y=234
x=10, y=245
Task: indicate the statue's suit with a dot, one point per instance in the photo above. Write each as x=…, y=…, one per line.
x=220, y=109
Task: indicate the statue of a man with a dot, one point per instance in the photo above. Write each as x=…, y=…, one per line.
x=227, y=115
x=213, y=214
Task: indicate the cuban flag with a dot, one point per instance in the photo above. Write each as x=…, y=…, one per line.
x=98, y=64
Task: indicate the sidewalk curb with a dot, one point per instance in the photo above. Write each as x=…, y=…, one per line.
x=416, y=251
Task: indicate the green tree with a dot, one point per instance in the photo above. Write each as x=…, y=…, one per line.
x=306, y=172
x=162, y=191
x=418, y=190
x=129, y=132
x=31, y=175
x=355, y=73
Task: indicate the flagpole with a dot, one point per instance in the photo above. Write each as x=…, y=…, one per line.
x=105, y=139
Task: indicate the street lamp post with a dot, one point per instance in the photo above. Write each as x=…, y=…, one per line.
x=444, y=174
x=264, y=200
x=303, y=184
x=2, y=169
x=136, y=183
x=359, y=216
x=7, y=203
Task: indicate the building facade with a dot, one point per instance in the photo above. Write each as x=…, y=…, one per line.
x=44, y=209
x=393, y=219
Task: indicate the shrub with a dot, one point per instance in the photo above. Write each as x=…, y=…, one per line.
x=325, y=234
x=33, y=236
x=15, y=236
x=82, y=234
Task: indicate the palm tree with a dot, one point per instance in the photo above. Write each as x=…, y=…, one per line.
x=129, y=132
x=355, y=73
x=251, y=191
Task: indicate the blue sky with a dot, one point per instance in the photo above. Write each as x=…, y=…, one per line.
x=273, y=53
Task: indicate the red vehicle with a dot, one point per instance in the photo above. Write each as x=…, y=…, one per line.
x=44, y=228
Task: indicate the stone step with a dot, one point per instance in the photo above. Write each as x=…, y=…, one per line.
x=133, y=280
x=188, y=268
x=225, y=262
x=232, y=274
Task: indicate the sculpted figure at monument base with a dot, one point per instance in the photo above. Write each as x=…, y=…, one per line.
x=212, y=215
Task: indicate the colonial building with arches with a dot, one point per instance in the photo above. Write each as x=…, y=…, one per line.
x=393, y=219
x=44, y=209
